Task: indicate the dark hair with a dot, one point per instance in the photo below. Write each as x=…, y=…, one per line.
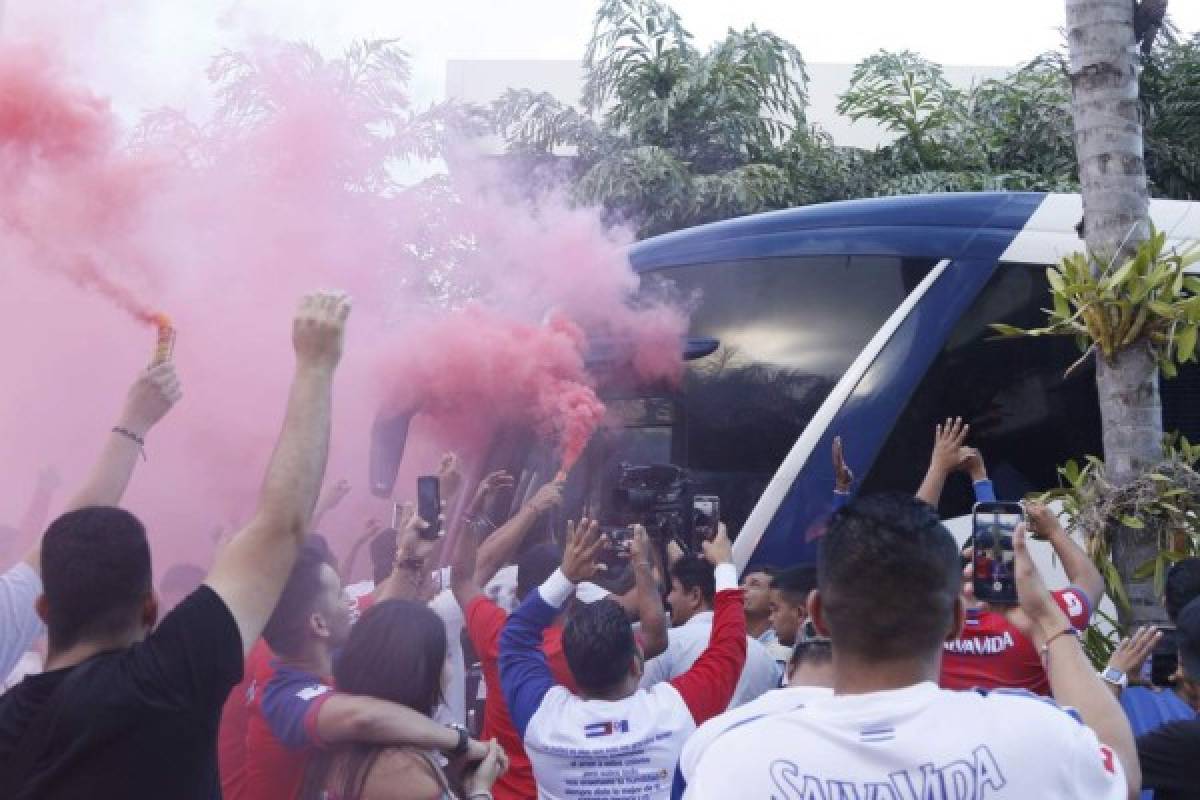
x=1183, y=585
x=396, y=652
x=534, y=566
x=287, y=629
x=795, y=583
x=693, y=572
x=383, y=553
x=889, y=577
x=598, y=643
x=811, y=651
x=95, y=573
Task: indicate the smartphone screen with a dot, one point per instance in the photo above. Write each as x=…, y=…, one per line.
x=706, y=513
x=994, y=525
x=429, y=505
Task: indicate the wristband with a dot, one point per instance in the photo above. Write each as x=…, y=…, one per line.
x=480, y=796
x=138, y=440
x=1063, y=632
x=459, y=749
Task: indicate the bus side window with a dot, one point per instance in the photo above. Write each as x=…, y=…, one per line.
x=1025, y=416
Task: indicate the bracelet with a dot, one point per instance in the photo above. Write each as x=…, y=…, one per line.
x=1048, y=642
x=480, y=796
x=464, y=741
x=138, y=440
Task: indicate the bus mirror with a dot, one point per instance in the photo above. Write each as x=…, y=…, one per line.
x=694, y=348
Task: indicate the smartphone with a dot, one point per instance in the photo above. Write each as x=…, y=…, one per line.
x=429, y=505
x=706, y=513
x=622, y=541
x=992, y=529
x=1164, y=659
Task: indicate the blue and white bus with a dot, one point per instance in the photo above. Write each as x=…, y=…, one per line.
x=866, y=319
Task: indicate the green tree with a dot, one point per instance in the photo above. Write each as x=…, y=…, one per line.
x=683, y=136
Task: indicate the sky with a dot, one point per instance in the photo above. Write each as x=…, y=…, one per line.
x=153, y=52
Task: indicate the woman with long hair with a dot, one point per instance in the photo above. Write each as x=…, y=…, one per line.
x=396, y=652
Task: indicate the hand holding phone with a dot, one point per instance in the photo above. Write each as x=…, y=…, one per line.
x=429, y=506
x=706, y=513
x=992, y=557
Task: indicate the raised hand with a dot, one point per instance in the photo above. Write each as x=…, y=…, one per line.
x=948, y=442
x=153, y=394
x=1133, y=650
x=1043, y=523
x=319, y=328
x=639, y=546
x=971, y=462
x=489, y=487
x=450, y=477
x=582, y=551
x=843, y=478
x=719, y=550
x=548, y=497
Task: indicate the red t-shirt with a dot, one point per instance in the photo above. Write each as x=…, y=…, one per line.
x=992, y=654
x=235, y=716
x=485, y=621
x=281, y=734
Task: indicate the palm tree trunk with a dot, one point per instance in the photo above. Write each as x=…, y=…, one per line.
x=1112, y=173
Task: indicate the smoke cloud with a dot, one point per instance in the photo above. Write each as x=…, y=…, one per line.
x=471, y=304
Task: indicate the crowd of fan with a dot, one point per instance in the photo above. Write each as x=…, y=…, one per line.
x=874, y=675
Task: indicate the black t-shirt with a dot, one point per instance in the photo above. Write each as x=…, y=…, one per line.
x=1170, y=759
x=140, y=722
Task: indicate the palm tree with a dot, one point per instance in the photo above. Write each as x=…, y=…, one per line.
x=670, y=135
x=1108, y=139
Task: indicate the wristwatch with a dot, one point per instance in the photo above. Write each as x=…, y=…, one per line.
x=464, y=739
x=1114, y=676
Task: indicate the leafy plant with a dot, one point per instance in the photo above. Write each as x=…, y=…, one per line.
x=1148, y=300
x=1163, y=502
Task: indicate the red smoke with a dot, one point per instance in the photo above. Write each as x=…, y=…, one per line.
x=68, y=199
x=478, y=363
x=224, y=223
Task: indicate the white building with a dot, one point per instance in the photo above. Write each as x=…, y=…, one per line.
x=483, y=81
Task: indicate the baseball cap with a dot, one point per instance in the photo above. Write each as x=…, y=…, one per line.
x=1188, y=632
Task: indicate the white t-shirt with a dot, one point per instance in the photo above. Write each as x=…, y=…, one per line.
x=686, y=642
x=19, y=623
x=597, y=749
x=916, y=743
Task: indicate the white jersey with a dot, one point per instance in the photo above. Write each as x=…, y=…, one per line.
x=597, y=749
x=917, y=743
x=686, y=642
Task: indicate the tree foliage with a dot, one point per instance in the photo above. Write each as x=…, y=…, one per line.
x=668, y=134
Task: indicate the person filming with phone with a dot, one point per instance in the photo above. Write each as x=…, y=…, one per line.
x=990, y=652
x=889, y=594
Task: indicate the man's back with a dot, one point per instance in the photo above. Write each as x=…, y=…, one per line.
x=633, y=743
x=919, y=741
x=139, y=722
x=686, y=642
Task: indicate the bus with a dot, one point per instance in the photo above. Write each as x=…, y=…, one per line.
x=869, y=320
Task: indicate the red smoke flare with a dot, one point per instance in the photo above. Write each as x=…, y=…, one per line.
x=477, y=362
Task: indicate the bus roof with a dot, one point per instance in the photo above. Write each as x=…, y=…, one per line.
x=1040, y=227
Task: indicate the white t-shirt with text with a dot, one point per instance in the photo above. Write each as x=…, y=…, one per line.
x=916, y=743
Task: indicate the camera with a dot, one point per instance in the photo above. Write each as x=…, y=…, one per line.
x=655, y=497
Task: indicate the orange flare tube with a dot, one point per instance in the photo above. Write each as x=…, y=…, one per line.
x=165, y=345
